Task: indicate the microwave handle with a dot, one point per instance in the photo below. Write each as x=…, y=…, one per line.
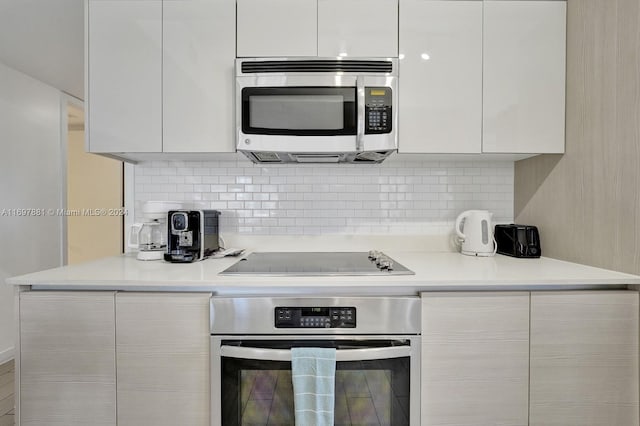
x=341, y=355
x=361, y=114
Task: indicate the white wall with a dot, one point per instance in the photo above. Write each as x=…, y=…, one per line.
x=30, y=178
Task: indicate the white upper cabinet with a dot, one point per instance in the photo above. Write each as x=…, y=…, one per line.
x=524, y=76
x=124, y=76
x=160, y=76
x=440, y=81
x=289, y=28
x=362, y=28
x=277, y=28
x=198, y=75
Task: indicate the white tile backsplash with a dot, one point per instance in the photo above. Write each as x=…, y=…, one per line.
x=399, y=196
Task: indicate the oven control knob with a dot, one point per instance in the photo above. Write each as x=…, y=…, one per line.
x=373, y=254
x=380, y=259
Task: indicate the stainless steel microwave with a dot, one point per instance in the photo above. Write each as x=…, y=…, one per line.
x=324, y=110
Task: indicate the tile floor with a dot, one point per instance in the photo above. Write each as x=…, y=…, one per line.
x=6, y=394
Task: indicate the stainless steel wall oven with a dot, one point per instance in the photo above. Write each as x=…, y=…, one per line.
x=377, y=345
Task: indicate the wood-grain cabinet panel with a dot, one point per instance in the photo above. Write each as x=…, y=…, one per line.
x=584, y=359
x=162, y=350
x=475, y=358
x=67, y=358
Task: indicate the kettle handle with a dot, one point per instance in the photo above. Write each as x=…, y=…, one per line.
x=459, y=222
x=134, y=231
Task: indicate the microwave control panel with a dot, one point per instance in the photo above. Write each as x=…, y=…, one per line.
x=315, y=317
x=377, y=110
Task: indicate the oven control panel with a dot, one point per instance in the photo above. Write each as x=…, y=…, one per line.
x=315, y=317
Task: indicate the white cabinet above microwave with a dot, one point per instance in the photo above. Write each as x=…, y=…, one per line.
x=324, y=28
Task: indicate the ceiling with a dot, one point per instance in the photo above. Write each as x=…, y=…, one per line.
x=45, y=39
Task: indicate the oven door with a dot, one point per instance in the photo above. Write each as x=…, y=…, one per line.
x=251, y=379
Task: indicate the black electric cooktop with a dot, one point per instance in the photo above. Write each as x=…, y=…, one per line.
x=316, y=264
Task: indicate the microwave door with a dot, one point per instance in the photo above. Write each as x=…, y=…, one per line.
x=297, y=113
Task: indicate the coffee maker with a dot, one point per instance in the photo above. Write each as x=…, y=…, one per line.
x=148, y=238
x=191, y=235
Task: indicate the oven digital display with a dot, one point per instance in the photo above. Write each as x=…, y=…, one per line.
x=315, y=317
x=308, y=312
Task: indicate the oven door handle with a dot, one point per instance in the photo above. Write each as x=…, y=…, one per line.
x=341, y=354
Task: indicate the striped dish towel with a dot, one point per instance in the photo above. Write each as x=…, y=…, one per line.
x=313, y=372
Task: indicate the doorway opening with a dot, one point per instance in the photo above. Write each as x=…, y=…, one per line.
x=95, y=196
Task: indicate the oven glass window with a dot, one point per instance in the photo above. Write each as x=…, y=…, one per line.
x=301, y=111
x=371, y=393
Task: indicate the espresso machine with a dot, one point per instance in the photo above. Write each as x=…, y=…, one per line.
x=192, y=235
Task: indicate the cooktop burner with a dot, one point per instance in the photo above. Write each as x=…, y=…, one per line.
x=317, y=264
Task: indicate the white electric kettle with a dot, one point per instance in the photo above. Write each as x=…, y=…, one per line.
x=476, y=234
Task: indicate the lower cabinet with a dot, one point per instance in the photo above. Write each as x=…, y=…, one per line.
x=67, y=359
x=106, y=358
x=540, y=358
x=502, y=358
x=584, y=359
x=162, y=346
x=475, y=368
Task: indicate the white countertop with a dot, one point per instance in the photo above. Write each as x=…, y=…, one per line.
x=433, y=271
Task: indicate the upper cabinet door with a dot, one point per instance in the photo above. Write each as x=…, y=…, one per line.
x=199, y=41
x=441, y=76
x=124, y=76
x=364, y=28
x=524, y=76
x=277, y=28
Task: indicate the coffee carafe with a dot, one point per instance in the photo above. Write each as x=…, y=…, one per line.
x=149, y=239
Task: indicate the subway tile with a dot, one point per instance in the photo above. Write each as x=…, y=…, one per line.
x=399, y=196
x=210, y=196
x=210, y=179
x=236, y=188
x=235, y=205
